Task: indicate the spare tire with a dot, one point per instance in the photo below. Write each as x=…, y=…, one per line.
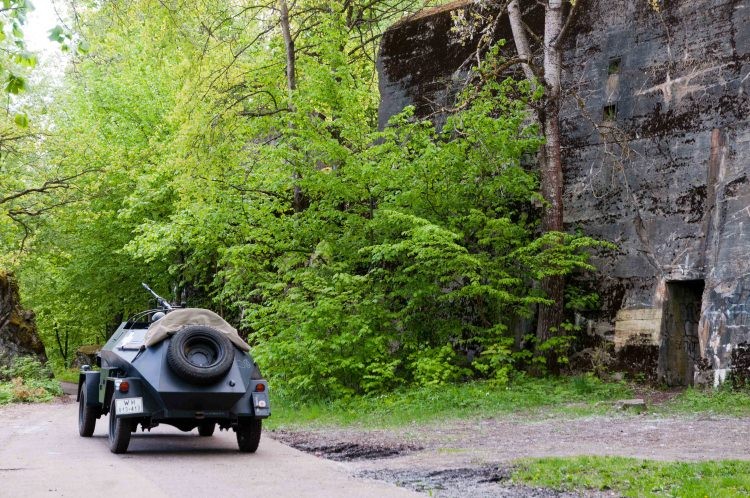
x=200, y=355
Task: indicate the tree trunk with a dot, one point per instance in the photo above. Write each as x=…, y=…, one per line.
x=286, y=32
x=298, y=201
x=519, y=38
x=551, y=174
x=550, y=316
x=63, y=349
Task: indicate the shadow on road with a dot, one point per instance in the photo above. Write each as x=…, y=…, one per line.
x=179, y=445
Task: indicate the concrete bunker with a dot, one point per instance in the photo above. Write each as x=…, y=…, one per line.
x=655, y=147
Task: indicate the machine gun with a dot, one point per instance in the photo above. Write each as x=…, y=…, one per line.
x=163, y=303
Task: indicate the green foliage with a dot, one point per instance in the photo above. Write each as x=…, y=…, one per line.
x=69, y=41
x=641, y=478
x=17, y=146
x=497, y=360
x=558, y=254
x=557, y=346
x=14, y=58
x=66, y=374
x=569, y=396
x=354, y=260
x=431, y=218
x=437, y=366
x=26, y=367
x=579, y=300
x=27, y=380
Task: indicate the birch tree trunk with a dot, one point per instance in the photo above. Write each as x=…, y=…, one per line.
x=550, y=316
x=519, y=37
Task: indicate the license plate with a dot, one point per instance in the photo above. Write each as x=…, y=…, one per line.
x=128, y=405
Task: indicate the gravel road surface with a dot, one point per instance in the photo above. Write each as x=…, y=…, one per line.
x=41, y=454
x=472, y=458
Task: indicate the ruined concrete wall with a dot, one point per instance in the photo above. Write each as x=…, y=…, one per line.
x=656, y=136
x=424, y=59
x=655, y=159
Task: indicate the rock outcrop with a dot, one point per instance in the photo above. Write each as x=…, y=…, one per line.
x=86, y=355
x=18, y=333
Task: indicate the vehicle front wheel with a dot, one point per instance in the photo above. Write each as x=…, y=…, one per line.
x=206, y=430
x=248, y=435
x=86, y=414
x=119, y=431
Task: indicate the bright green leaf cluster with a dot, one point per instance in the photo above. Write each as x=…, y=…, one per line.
x=354, y=260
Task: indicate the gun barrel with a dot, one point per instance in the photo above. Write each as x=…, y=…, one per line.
x=162, y=302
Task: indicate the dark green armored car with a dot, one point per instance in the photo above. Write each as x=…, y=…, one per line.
x=185, y=367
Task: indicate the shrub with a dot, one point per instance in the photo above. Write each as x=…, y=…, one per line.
x=437, y=366
x=27, y=380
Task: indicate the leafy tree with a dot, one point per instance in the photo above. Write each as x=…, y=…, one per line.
x=235, y=163
x=108, y=125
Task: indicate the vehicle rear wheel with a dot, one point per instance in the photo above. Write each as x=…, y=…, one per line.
x=248, y=435
x=119, y=431
x=200, y=355
x=206, y=430
x=86, y=414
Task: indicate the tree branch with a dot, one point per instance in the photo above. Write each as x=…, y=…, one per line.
x=46, y=187
x=519, y=37
x=566, y=27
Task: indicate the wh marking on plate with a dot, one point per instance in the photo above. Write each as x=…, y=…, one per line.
x=128, y=405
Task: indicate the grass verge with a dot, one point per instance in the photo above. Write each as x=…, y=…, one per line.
x=641, y=478
x=718, y=402
x=575, y=396
x=67, y=374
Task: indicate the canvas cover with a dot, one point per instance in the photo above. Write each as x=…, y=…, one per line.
x=179, y=318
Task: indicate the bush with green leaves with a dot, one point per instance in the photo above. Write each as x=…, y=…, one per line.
x=437, y=366
x=27, y=380
x=354, y=260
x=425, y=248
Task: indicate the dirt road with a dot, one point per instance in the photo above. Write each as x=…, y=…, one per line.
x=41, y=454
x=473, y=458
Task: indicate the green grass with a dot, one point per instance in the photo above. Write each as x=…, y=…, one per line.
x=718, y=402
x=641, y=478
x=67, y=374
x=575, y=396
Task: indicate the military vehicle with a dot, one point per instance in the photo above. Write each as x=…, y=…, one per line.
x=185, y=367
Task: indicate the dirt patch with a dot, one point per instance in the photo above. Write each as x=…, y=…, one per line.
x=473, y=458
x=343, y=447
x=465, y=482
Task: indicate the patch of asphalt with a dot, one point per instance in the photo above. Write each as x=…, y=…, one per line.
x=469, y=482
x=342, y=449
x=380, y=454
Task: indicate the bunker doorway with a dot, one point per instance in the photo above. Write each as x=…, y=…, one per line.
x=679, y=350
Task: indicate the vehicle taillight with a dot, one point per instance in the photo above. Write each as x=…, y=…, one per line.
x=260, y=388
x=124, y=386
